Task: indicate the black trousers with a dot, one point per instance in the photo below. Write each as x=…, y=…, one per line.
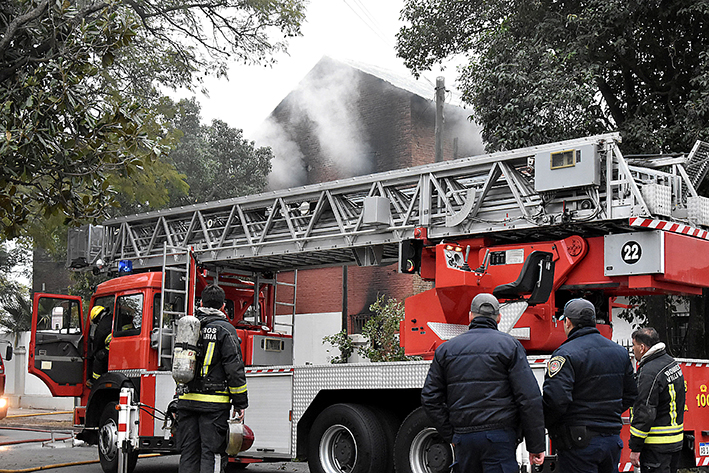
x=652, y=461
x=202, y=439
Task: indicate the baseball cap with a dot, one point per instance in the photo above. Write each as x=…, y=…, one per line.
x=485, y=304
x=579, y=311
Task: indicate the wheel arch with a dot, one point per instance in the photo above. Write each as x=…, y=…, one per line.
x=399, y=402
x=106, y=389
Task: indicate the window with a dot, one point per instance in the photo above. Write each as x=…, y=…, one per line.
x=129, y=315
x=58, y=315
x=563, y=159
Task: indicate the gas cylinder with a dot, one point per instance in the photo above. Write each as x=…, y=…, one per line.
x=184, y=358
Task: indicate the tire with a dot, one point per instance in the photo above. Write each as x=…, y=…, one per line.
x=347, y=438
x=108, y=441
x=419, y=448
x=390, y=424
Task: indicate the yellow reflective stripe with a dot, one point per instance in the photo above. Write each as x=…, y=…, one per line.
x=208, y=358
x=108, y=339
x=638, y=433
x=239, y=390
x=96, y=376
x=665, y=439
x=673, y=405
x=672, y=429
x=222, y=398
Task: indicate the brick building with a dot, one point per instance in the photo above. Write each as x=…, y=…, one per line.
x=346, y=119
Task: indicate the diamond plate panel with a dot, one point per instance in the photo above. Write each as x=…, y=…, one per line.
x=447, y=331
x=658, y=199
x=308, y=381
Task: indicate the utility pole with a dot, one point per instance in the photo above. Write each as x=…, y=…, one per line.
x=440, y=100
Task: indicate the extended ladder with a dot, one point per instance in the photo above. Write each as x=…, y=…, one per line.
x=177, y=292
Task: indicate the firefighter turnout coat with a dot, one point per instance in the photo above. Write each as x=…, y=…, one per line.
x=220, y=378
x=658, y=413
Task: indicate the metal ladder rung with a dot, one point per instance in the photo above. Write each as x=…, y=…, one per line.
x=178, y=291
x=177, y=269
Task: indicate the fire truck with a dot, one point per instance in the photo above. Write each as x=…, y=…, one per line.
x=4, y=404
x=534, y=226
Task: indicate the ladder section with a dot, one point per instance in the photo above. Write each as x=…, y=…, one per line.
x=291, y=292
x=698, y=163
x=577, y=186
x=175, y=290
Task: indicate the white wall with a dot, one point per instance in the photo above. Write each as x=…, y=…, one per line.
x=35, y=393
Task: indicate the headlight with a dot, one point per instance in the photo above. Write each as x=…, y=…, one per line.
x=3, y=403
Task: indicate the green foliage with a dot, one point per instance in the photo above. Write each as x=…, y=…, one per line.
x=381, y=331
x=343, y=343
x=15, y=304
x=217, y=161
x=544, y=71
x=80, y=118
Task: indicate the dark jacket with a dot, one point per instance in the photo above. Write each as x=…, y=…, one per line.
x=481, y=380
x=589, y=382
x=220, y=378
x=658, y=413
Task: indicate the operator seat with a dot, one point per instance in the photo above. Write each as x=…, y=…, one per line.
x=536, y=279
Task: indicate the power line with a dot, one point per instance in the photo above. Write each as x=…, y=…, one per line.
x=367, y=23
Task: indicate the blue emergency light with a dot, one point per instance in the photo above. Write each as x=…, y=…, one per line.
x=125, y=266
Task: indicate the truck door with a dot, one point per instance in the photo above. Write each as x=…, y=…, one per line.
x=56, y=343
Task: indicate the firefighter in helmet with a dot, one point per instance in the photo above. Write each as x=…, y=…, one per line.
x=99, y=341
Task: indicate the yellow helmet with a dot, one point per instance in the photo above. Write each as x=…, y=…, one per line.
x=96, y=312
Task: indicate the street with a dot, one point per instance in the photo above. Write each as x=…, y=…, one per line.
x=32, y=439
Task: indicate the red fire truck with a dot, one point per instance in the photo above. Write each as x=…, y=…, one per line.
x=535, y=226
x=3, y=400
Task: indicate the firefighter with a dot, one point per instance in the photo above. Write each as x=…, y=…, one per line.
x=656, y=430
x=589, y=383
x=203, y=411
x=99, y=342
x=481, y=393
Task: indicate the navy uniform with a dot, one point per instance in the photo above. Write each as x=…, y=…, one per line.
x=481, y=394
x=220, y=382
x=657, y=429
x=588, y=385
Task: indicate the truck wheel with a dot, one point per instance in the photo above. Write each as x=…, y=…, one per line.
x=419, y=448
x=347, y=438
x=108, y=441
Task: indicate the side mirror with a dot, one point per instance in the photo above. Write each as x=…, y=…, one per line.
x=8, y=353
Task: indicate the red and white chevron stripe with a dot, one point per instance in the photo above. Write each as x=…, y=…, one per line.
x=703, y=461
x=625, y=466
x=669, y=227
x=268, y=370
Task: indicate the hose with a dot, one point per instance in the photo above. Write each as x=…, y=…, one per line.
x=14, y=416
x=18, y=442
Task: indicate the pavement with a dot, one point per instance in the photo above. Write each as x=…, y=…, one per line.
x=41, y=439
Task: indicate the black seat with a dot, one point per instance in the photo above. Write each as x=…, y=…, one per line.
x=536, y=279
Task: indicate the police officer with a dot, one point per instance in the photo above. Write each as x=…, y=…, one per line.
x=480, y=393
x=656, y=430
x=203, y=411
x=588, y=385
x=99, y=342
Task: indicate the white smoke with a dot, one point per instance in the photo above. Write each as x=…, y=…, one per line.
x=327, y=100
x=287, y=166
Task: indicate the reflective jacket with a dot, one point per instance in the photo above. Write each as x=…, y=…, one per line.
x=658, y=413
x=589, y=382
x=219, y=378
x=481, y=380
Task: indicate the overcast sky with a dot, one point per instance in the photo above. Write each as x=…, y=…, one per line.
x=359, y=30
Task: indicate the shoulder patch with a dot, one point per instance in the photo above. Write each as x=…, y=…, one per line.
x=555, y=365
